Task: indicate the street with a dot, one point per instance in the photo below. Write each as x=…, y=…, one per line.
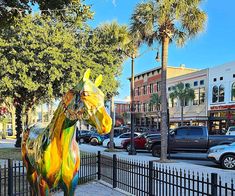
x=193, y=158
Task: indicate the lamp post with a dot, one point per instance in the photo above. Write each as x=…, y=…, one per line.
x=132, y=150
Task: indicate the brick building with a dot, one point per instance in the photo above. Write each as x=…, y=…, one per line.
x=146, y=84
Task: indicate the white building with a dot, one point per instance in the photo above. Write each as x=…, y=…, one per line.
x=195, y=111
x=221, y=97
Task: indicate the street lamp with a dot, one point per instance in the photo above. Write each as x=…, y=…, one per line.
x=132, y=150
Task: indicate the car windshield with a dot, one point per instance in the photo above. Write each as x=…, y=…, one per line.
x=232, y=129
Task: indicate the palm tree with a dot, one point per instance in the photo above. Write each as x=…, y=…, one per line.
x=118, y=35
x=183, y=94
x=165, y=21
x=155, y=100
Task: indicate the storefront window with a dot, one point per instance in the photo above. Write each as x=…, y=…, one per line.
x=215, y=94
x=221, y=93
x=233, y=92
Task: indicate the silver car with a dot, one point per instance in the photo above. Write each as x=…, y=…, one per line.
x=223, y=155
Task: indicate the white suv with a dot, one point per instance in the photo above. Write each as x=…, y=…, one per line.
x=231, y=130
x=223, y=155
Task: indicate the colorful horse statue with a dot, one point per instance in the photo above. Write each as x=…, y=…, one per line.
x=51, y=154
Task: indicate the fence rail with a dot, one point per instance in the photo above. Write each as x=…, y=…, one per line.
x=138, y=178
x=150, y=178
x=13, y=179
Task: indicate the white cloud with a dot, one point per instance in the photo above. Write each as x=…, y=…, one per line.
x=114, y=3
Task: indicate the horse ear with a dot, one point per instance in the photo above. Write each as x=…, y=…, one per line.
x=86, y=75
x=98, y=80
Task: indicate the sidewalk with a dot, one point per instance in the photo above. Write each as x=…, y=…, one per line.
x=96, y=188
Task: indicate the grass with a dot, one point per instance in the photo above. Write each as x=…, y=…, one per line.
x=10, y=153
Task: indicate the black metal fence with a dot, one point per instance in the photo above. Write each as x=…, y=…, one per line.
x=150, y=178
x=13, y=179
x=136, y=177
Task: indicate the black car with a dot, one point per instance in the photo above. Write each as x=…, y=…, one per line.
x=83, y=136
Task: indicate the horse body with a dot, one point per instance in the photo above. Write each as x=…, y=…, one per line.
x=51, y=154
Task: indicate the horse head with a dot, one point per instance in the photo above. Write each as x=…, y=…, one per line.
x=87, y=103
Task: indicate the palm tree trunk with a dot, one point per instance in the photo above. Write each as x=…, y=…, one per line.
x=164, y=126
x=182, y=115
x=111, y=146
x=157, y=121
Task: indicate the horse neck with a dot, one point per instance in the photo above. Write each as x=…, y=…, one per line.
x=60, y=123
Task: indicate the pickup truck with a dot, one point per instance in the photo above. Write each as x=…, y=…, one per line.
x=188, y=139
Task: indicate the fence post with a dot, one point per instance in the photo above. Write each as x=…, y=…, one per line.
x=114, y=171
x=99, y=165
x=10, y=178
x=150, y=178
x=214, y=183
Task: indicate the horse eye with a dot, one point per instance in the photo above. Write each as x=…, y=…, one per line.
x=85, y=93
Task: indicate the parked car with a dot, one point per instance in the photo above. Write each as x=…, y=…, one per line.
x=83, y=136
x=9, y=132
x=231, y=131
x=118, y=140
x=223, y=155
x=188, y=139
x=97, y=139
x=139, y=141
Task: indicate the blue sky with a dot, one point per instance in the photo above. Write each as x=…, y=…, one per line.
x=215, y=46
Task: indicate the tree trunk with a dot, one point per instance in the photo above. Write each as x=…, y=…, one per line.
x=182, y=115
x=111, y=146
x=164, y=125
x=18, y=124
x=157, y=121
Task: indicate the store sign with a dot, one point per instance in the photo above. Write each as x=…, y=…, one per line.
x=222, y=107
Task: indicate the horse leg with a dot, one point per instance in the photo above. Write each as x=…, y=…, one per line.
x=43, y=188
x=69, y=191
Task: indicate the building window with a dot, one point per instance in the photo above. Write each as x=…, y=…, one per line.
x=215, y=91
x=233, y=75
x=151, y=88
x=233, y=92
x=145, y=107
x=187, y=85
x=150, y=107
x=138, y=107
x=196, y=99
x=221, y=93
x=186, y=102
x=169, y=88
x=214, y=79
x=145, y=90
x=221, y=78
x=195, y=83
x=138, y=91
x=201, y=82
x=158, y=86
x=202, y=94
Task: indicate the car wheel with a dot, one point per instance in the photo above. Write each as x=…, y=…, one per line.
x=81, y=140
x=228, y=161
x=156, y=151
x=94, y=141
x=128, y=147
